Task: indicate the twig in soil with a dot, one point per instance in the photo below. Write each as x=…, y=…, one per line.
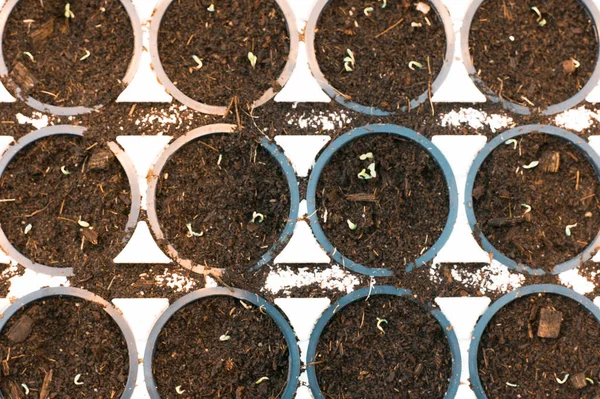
x=45, y=391
x=527, y=101
x=8, y=200
x=577, y=181
x=390, y=28
x=362, y=197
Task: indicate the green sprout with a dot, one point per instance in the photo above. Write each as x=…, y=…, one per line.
x=379, y=323
x=513, y=142
x=527, y=208
x=76, y=380
x=211, y=8
x=86, y=56
x=531, y=165
x=179, y=390
x=259, y=216
x=364, y=175
x=68, y=12
x=384, y=3
x=367, y=176
x=252, y=58
x=371, y=169
x=349, y=61
x=589, y=380
x=198, y=61
x=27, y=229
x=28, y=54
x=351, y=225
x=413, y=64
x=368, y=11
x=368, y=155
x=261, y=379
x=568, y=229
x=64, y=170
x=540, y=19
x=565, y=378
x=192, y=233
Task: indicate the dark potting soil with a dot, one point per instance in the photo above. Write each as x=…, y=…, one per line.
x=383, y=44
x=52, y=203
x=48, y=51
x=48, y=343
x=410, y=358
x=529, y=64
x=511, y=352
x=568, y=196
x=222, y=40
x=219, y=200
x=398, y=214
x=221, y=347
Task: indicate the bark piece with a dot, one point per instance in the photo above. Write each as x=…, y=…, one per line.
x=578, y=381
x=503, y=222
x=550, y=322
x=100, y=159
x=362, y=197
x=550, y=161
x=41, y=35
x=20, y=78
x=45, y=391
x=20, y=330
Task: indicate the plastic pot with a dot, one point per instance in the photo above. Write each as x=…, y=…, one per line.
x=310, y=31
x=198, y=133
x=362, y=294
x=347, y=138
x=505, y=300
x=77, y=110
x=114, y=313
x=280, y=320
x=498, y=141
x=593, y=12
x=157, y=17
x=78, y=131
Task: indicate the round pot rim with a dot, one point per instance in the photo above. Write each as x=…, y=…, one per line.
x=311, y=26
x=505, y=300
x=347, y=138
x=109, y=308
x=254, y=299
x=580, y=144
x=77, y=131
x=132, y=68
x=367, y=292
x=492, y=96
x=173, y=90
x=192, y=135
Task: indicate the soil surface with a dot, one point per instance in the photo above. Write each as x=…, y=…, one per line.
x=44, y=57
x=529, y=64
x=188, y=29
x=562, y=190
x=380, y=78
x=219, y=199
x=410, y=357
x=221, y=347
x=95, y=191
x=397, y=215
x=511, y=352
x=48, y=343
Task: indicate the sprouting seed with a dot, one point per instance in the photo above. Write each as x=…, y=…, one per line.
x=531, y=165
x=68, y=12
x=198, y=61
x=576, y=63
x=568, y=229
x=589, y=380
x=219, y=160
x=371, y=169
x=27, y=229
x=423, y=7
x=349, y=61
x=192, y=233
x=86, y=56
x=565, y=378
x=224, y=338
x=64, y=170
x=364, y=175
x=543, y=22
x=379, y=323
x=413, y=64
x=527, y=208
x=368, y=11
x=76, y=380
x=511, y=385
x=25, y=388
x=351, y=225
x=261, y=379
x=384, y=3
x=588, y=214
x=179, y=390
x=416, y=25
x=540, y=19
x=28, y=54
x=259, y=216
x=368, y=155
x=252, y=58
x=513, y=142
x=83, y=223
x=211, y=8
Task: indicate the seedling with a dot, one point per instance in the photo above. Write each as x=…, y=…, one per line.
x=192, y=233
x=219, y=160
x=64, y=170
x=513, y=142
x=589, y=380
x=413, y=64
x=68, y=12
x=211, y=8
x=252, y=58
x=568, y=229
x=83, y=223
x=27, y=229
x=531, y=165
x=26, y=389
x=384, y=3
x=416, y=25
x=28, y=54
x=368, y=155
x=527, y=208
x=86, y=56
x=371, y=169
x=576, y=63
x=565, y=378
x=179, y=390
x=364, y=175
x=198, y=61
x=261, y=379
x=349, y=61
x=379, y=323
x=368, y=11
x=259, y=216
x=423, y=7
x=351, y=225
x=76, y=380
x=224, y=337
x=370, y=175
x=540, y=19
x=511, y=385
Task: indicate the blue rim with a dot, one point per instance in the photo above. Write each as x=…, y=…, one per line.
x=109, y=308
x=364, y=293
x=280, y=320
x=580, y=144
x=347, y=138
x=505, y=300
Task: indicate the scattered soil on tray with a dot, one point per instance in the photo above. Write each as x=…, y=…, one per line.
x=188, y=29
x=193, y=353
x=380, y=78
x=48, y=343
x=511, y=351
x=44, y=56
x=562, y=190
x=6, y=273
x=52, y=203
x=524, y=62
x=398, y=214
x=411, y=357
x=219, y=201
